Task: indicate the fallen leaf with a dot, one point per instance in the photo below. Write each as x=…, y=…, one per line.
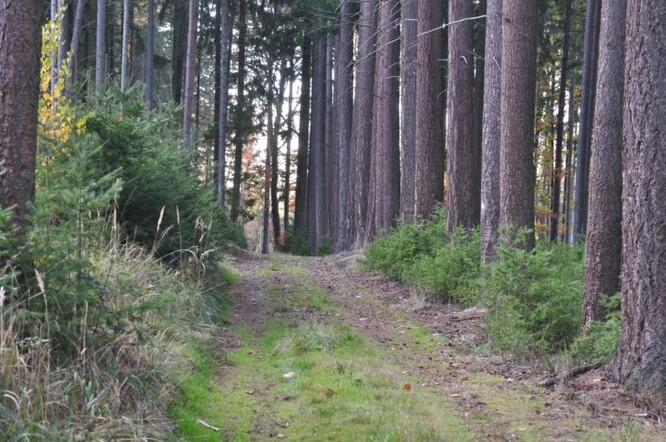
x=407, y=387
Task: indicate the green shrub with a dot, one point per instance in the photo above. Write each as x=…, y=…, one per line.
x=395, y=253
x=599, y=340
x=295, y=242
x=421, y=255
x=450, y=273
x=160, y=184
x=533, y=298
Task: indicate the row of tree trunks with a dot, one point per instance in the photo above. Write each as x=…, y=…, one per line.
x=556, y=183
x=240, y=136
x=384, y=187
x=588, y=94
x=362, y=120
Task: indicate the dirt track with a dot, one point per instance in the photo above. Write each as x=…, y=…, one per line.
x=444, y=348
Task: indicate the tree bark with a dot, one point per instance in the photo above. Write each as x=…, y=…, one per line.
x=384, y=195
x=150, y=53
x=100, y=46
x=287, y=165
x=190, y=67
x=463, y=159
x=221, y=145
x=603, y=245
x=429, y=179
x=588, y=88
x=362, y=119
x=490, y=144
x=275, y=170
x=408, y=111
x=240, y=125
x=316, y=208
x=300, y=215
x=270, y=135
x=640, y=361
x=330, y=154
x=517, y=174
x=344, y=80
x=125, y=45
x=179, y=47
x=20, y=48
x=74, y=44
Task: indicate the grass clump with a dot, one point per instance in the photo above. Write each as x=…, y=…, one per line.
x=423, y=256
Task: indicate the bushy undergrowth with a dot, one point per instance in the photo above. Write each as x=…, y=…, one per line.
x=159, y=182
x=532, y=298
x=421, y=255
x=110, y=379
x=599, y=340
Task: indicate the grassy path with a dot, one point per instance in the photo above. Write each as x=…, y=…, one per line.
x=316, y=350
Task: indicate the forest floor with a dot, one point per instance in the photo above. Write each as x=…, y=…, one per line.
x=317, y=349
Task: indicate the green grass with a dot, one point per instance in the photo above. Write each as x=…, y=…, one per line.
x=343, y=389
x=305, y=295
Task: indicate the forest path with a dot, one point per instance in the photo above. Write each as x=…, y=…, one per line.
x=317, y=349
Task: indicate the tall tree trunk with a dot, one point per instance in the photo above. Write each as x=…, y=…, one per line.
x=603, y=245
x=330, y=154
x=556, y=184
x=270, y=136
x=221, y=162
x=20, y=48
x=463, y=160
x=384, y=195
x=150, y=53
x=362, y=119
x=190, y=67
x=300, y=215
x=640, y=360
x=490, y=144
x=240, y=124
x=429, y=180
x=65, y=32
x=179, y=47
x=568, y=181
x=519, y=44
x=588, y=89
x=54, y=52
x=480, y=11
x=217, y=78
x=287, y=163
x=316, y=210
x=74, y=44
x=275, y=169
x=408, y=111
x=100, y=46
x=125, y=44
x=344, y=80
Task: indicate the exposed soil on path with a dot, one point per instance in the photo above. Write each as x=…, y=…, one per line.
x=437, y=346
